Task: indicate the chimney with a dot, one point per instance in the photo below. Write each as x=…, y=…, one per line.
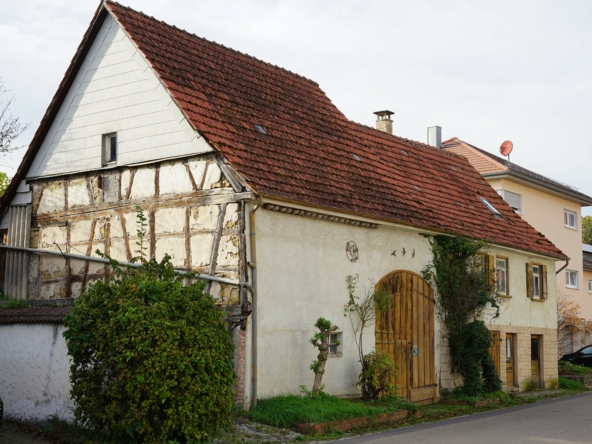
x=384, y=122
x=435, y=136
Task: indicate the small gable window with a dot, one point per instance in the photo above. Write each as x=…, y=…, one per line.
x=109, y=155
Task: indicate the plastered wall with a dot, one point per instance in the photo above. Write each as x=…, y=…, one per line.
x=34, y=371
x=303, y=264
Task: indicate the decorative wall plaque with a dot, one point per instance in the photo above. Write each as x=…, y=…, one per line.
x=351, y=249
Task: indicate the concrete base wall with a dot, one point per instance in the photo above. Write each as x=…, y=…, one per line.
x=34, y=371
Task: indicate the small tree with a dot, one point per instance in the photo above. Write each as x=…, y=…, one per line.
x=321, y=341
x=587, y=229
x=465, y=290
x=10, y=127
x=4, y=182
x=569, y=322
x=378, y=369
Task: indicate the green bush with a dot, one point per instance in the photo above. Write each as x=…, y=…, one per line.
x=569, y=384
x=151, y=358
x=567, y=368
x=378, y=370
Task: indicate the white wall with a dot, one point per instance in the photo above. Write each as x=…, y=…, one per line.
x=115, y=91
x=34, y=371
x=302, y=269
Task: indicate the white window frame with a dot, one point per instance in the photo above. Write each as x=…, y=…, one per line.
x=507, y=194
x=337, y=350
x=536, y=281
x=505, y=291
x=106, y=157
x=566, y=219
x=568, y=278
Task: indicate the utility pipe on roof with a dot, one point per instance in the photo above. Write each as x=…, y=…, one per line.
x=124, y=264
x=253, y=265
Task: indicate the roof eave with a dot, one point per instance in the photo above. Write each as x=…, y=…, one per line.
x=539, y=184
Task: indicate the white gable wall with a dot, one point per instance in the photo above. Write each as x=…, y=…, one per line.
x=115, y=90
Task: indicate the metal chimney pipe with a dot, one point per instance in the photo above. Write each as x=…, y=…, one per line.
x=435, y=136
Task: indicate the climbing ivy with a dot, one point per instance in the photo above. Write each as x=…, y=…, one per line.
x=465, y=291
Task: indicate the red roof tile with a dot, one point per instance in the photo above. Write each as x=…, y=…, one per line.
x=306, y=153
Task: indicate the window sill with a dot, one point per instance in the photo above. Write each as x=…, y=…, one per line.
x=505, y=296
x=338, y=355
x=571, y=228
x=537, y=300
x=571, y=287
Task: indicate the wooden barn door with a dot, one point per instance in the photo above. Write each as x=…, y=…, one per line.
x=406, y=333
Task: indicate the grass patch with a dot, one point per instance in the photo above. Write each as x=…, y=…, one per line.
x=290, y=410
x=569, y=384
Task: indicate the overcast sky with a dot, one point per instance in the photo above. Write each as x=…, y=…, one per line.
x=485, y=71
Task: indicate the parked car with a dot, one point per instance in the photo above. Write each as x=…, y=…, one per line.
x=581, y=357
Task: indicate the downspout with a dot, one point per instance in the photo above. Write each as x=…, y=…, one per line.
x=564, y=267
x=253, y=264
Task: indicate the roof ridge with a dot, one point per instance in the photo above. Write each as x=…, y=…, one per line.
x=404, y=139
x=483, y=155
x=287, y=71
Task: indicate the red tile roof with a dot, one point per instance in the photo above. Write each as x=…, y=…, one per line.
x=489, y=164
x=309, y=149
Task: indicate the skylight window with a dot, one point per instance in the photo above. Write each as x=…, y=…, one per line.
x=355, y=157
x=490, y=207
x=260, y=128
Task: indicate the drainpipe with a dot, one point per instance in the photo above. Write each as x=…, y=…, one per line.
x=253, y=264
x=564, y=267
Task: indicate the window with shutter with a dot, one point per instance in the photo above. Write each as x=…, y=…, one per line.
x=536, y=281
x=513, y=199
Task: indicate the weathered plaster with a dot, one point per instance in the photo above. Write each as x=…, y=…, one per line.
x=34, y=371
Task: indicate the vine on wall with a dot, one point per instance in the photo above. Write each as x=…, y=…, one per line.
x=465, y=291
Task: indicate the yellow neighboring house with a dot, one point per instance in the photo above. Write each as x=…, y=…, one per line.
x=551, y=207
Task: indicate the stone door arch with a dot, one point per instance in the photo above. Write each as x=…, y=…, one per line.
x=406, y=332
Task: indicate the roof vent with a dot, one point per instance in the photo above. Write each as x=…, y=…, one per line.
x=435, y=136
x=384, y=122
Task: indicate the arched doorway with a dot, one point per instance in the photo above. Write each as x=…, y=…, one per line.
x=406, y=333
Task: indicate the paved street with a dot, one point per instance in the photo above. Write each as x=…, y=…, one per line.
x=559, y=421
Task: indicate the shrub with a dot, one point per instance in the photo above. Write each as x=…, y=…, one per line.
x=378, y=370
x=570, y=384
x=466, y=291
x=151, y=358
x=567, y=368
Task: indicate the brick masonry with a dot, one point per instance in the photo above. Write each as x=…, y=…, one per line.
x=348, y=424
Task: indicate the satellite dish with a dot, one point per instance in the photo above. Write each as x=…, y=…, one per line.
x=506, y=148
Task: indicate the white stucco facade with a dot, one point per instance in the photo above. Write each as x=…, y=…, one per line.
x=34, y=371
x=303, y=267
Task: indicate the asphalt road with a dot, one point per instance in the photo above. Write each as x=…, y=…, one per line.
x=559, y=421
